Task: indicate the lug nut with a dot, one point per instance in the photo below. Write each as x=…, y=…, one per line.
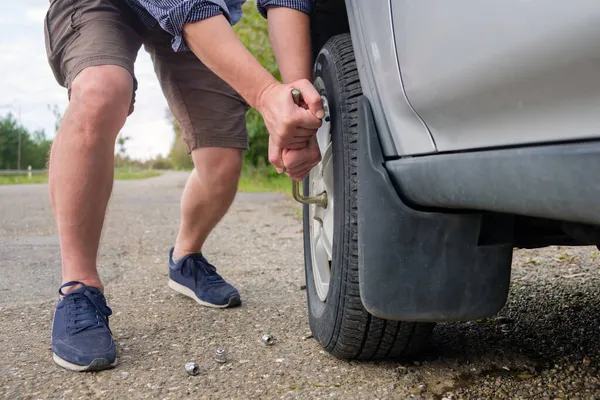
x=192, y=368
x=221, y=356
x=268, y=340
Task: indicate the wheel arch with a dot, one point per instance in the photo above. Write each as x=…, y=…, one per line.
x=329, y=18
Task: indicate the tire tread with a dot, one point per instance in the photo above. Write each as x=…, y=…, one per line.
x=358, y=334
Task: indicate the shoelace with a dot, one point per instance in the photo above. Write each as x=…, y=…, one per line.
x=193, y=264
x=85, y=311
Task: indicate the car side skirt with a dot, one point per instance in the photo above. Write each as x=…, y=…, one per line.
x=558, y=181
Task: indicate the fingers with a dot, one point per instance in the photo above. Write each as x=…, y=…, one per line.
x=294, y=138
x=299, y=126
x=297, y=145
x=306, y=119
x=303, y=135
x=300, y=162
x=275, y=155
x=300, y=175
x=311, y=97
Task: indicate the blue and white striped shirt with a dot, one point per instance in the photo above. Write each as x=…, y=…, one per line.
x=171, y=15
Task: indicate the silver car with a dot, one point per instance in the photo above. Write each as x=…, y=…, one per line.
x=457, y=131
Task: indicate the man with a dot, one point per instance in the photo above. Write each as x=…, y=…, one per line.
x=209, y=79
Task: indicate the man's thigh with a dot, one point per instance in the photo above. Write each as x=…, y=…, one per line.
x=209, y=112
x=82, y=34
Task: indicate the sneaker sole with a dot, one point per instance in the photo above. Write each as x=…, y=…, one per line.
x=179, y=288
x=98, y=364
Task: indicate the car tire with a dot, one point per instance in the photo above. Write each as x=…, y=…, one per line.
x=340, y=323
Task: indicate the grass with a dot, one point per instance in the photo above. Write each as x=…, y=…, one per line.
x=255, y=180
x=16, y=179
x=532, y=261
x=43, y=178
x=133, y=175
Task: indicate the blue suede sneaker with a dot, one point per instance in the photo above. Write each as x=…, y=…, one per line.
x=81, y=339
x=195, y=277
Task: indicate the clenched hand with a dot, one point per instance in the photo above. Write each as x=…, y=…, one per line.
x=299, y=162
x=292, y=127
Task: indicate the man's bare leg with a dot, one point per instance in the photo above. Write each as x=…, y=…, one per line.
x=82, y=164
x=207, y=196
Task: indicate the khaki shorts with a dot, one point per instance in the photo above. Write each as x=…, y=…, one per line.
x=81, y=34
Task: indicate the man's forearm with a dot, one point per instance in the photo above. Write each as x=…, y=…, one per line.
x=290, y=127
x=214, y=42
x=289, y=33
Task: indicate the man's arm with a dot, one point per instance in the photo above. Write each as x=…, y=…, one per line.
x=204, y=27
x=289, y=34
x=290, y=127
x=215, y=43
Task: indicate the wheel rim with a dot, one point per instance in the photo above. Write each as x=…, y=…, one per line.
x=320, y=179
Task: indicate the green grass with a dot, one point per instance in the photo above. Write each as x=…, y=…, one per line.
x=17, y=179
x=254, y=180
x=133, y=175
x=42, y=178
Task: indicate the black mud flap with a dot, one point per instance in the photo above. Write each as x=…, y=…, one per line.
x=420, y=266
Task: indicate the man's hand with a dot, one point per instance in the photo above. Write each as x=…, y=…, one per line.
x=290, y=125
x=298, y=163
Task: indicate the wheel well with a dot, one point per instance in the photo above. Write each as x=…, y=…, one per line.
x=327, y=20
x=531, y=232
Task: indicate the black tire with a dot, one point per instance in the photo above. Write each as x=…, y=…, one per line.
x=341, y=324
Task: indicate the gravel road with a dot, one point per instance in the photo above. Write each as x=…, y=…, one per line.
x=543, y=345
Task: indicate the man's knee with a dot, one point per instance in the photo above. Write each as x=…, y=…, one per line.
x=101, y=96
x=219, y=167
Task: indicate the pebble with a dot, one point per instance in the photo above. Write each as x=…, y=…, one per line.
x=586, y=361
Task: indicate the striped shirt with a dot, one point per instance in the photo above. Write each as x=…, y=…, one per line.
x=171, y=15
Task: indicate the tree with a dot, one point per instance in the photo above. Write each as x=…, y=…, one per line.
x=34, y=147
x=9, y=142
x=121, y=141
x=58, y=116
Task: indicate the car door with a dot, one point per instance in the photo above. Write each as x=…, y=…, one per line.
x=500, y=72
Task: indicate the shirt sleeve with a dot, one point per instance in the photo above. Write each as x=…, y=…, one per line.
x=306, y=6
x=172, y=15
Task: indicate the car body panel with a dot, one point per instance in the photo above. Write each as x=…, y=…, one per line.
x=373, y=42
x=500, y=72
x=556, y=181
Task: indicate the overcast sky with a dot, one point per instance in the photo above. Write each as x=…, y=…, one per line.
x=26, y=81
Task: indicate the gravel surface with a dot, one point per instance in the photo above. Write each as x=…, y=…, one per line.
x=543, y=345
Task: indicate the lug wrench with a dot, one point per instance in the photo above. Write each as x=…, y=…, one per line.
x=320, y=199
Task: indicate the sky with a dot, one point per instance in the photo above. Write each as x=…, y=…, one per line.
x=27, y=82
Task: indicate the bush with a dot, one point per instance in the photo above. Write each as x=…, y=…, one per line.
x=179, y=157
x=160, y=163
